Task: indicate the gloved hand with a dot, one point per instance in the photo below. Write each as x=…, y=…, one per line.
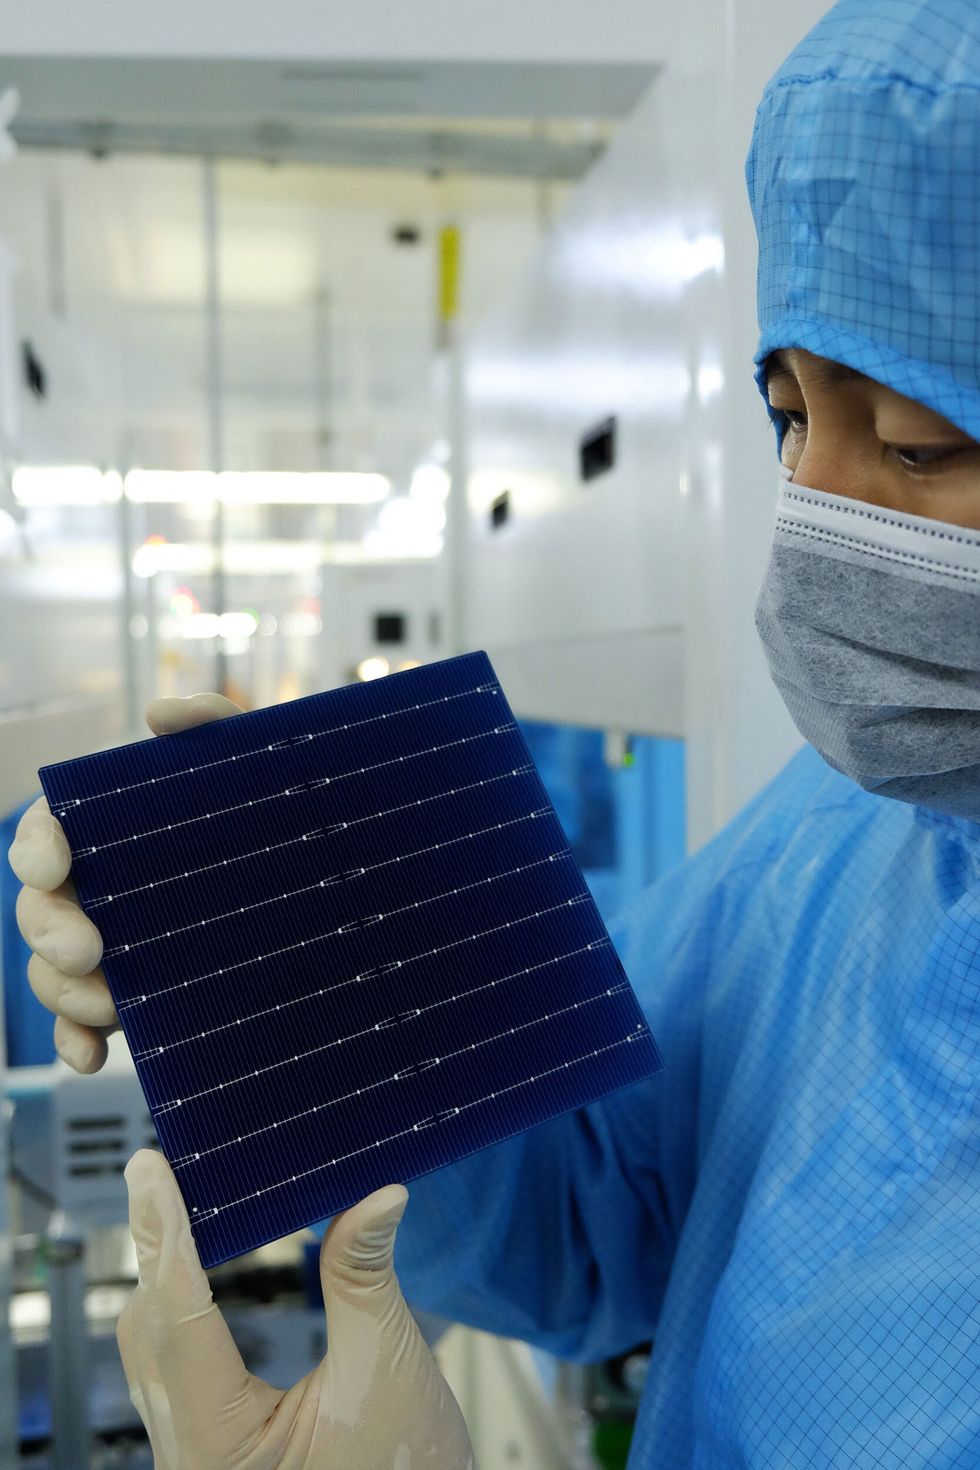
x=377, y=1401
x=64, y=969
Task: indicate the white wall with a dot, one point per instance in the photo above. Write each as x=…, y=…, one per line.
x=118, y=315
x=60, y=581
x=351, y=597
x=584, y=600
x=740, y=740
x=579, y=597
x=8, y=363
x=8, y=1396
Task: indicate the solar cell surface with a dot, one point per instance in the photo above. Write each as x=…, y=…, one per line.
x=347, y=942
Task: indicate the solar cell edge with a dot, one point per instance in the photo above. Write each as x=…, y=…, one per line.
x=49, y=774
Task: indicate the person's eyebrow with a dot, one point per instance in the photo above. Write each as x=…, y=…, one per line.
x=778, y=366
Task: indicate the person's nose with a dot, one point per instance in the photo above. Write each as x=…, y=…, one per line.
x=834, y=462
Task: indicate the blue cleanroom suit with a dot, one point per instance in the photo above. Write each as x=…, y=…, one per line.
x=792, y=1210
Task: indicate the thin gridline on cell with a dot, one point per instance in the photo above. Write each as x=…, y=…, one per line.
x=413, y=1128
x=304, y=837
x=304, y=737
x=444, y=952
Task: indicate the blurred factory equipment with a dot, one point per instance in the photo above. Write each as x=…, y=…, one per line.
x=9, y=102
x=526, y=1409
x=71, y=1137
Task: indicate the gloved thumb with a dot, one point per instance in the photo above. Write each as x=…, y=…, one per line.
x=382, y=1393
x=167, y=715
x=356, y=1259
x=372, y=1337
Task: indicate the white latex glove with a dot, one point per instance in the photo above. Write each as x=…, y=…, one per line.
x=64, y=969
x=377, y=1401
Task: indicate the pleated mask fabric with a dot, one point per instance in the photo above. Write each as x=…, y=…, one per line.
x=868, y=618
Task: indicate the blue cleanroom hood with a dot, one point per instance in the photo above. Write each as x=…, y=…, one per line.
x=864, y=182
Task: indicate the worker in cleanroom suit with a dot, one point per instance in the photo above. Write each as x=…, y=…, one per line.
x=792, y=1210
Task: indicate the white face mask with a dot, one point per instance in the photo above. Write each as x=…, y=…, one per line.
x=870, y=620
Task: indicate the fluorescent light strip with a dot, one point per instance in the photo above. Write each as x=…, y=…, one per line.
x=65, y=484
x=38, y=485
x=256, y=487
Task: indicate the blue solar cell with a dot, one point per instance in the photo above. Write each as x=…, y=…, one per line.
x=347, y=942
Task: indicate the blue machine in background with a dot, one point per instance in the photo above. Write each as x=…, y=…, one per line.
x=29, y=1027
x=625, y=822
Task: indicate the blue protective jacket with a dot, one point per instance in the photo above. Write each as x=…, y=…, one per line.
x=791, y=1211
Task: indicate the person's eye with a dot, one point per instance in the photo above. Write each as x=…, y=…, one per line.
x=919, y=461
x=797, y=421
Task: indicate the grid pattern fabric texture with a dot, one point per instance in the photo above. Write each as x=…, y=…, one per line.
x=864, y=180
x=790, y=1211
x=347, y=943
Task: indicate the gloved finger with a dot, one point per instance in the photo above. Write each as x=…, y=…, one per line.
x=209, y=1389
x=358, y=1248
x=378, y=1369
x=82, y=1047
x=126, y=1340
x=358, y=1277
x=167, y=716
x=83, y=998
x=39, y=853
x=145, y=1390
x=54, y=925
